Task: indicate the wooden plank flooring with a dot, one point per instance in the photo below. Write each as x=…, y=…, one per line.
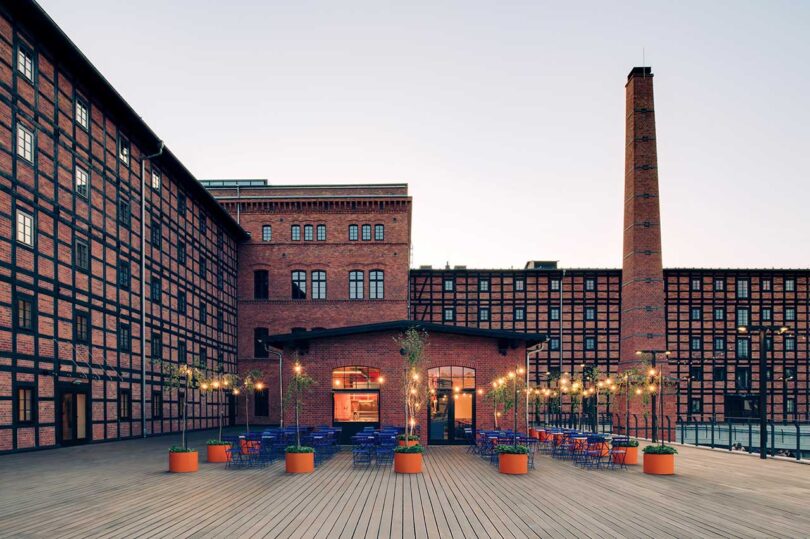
x=122, y=490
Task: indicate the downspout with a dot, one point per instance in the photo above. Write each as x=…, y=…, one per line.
x=143, y=284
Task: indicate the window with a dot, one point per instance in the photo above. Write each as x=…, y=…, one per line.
x=157, y=404
x=790, y=285
x=696, y=373
x=220, y=239
x=155, y=290
x=554, y=284
x=590, y=313
x=124, y=404
x=790, y=344
x=124, y=213
x=520, y=285
x=376, y=284
x=742, y=288
x=379, y=232
x=123, y=149
x=554, y=343
x=203, y=313
x=318, y=284
x=483, y=314
x=261, y=403
x=261, y=284
x=181, y=302
x=203, y=222
x=356, y=407
x=449, y=314
x=696, y=285
x=156, y=187
x=742, y=316
x=765, y=285
x=448, y=284
x=124, y=338
x=590, y=284
x=719, y=313
x=554, y=313
x=25, y=62
x=24, y=317
x=82, y=181
x=157, y=235
x=719, y=374
x=719, y=285
x=768, y=343
x=790, y=405
x=352, y=232
x=203, y=268
x=790, y=314
x=299, y=285
x=320, y=232
x=743, y=348
x=356, y=284
x=719, y=344
x=220, y=278
x=81, y=255
x=181, y=252
x=157, y=345
x=182, y=204
x=483, y=285
x=295, y=232
x=25, y=143
x=790, y=373
x=743, y=378
x=267, y=233
x=695, y=405
x=308, y=233
x=25, y=228
x=181, y=352
x=25, y=405
x=356, y=377
x=695, y=344
x=590, y=343
x=694, y=314
x=220, y=320
x=259, y=346
x=124, y=275
x=82, y=114
x=366, y=232
x=81, y=327
x=520, y=313
x=767, y=314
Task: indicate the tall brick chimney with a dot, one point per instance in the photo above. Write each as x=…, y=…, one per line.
x=643, y=324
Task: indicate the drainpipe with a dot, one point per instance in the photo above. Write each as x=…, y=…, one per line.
x=143, y=284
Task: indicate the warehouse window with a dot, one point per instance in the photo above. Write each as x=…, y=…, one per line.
x=353, y=232
x=295, y=232
x=299, y=284
x=366, y=232
x=82, y=114
x=376, y=284
x=25, y=405
x=25, y=228
x=520, y=314
x=356, y=284
x=267, y=233
x=318, y=284
x=308, y=233
x=81, y=255
x=25, y=143
x=24, y=317
x=82, y=182
x=261, y=284
x=320, y=233
x=483, y=314
x=25, y=62
x=123, y=149
x=449, y=314
x=379, y=232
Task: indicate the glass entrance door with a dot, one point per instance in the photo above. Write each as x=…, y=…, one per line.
x=73, y=416
x=451, y=410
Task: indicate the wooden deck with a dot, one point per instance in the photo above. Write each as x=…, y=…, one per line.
x=121, y=490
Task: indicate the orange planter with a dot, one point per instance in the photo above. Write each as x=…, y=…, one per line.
x=184, y=462
x=630, y=455
x=513, y=464
x=408, y=462
x=216, y=453
x=659, y=464
x=300, y=462
x=403, y=443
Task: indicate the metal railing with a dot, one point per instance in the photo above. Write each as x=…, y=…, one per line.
x=581, y=421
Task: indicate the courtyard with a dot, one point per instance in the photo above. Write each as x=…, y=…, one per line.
x=122, y=490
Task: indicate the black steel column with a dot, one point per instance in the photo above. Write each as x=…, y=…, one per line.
x=763, y=396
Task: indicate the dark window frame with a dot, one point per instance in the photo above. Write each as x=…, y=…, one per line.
x=31, y=324
x=298, y=283
x=81, y=254
x=354, y=233
x=124, y=405
x=124, y=338
x=81, y=327
x=365, y=232
x=31, y=407
x=295, y=232
x=357, y=284
x=318, y=284
x=376, y=284
x=379, y=232
x=261, y=284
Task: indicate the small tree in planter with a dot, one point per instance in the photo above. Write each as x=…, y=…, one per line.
x=249, y=382
x=299, y=458
x=412, y=344
x=498, y=395
x=218, y=385
x=659, y=459
x=182, y=376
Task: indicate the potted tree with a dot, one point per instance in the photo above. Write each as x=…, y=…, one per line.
x=219, y=385
x=299, y=458
x=408, y=457
x=659, y=459
x=183, y=376
x=250, y=382
x=513, y=459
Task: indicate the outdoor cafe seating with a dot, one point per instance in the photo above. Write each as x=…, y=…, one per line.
x=259, y=449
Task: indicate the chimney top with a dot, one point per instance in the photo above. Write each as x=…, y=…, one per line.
x=640, y=72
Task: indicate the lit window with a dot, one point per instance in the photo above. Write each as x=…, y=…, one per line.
x=356, y=377
x=82, y=114
x=267, y=233
x=449, y=314
x=483, y=314
x=520, y=314
x=366, y=232
x=308, y=233
x=356, y=407
x=25, y=228
x=24, y=317
x=356, y=284
x=379, y=232
x=81, y=255
x=123, y=150
x=321, y=233
x=299, y=285
x=483, y=285
x=82, y=182
x=318, y=284
x=25, y=143
x=353, y=231
x=25, y=405
x=156, y=179
x=295, y=232
x=376, y=284
x=25, y=62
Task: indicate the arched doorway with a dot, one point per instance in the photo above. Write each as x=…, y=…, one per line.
x=451, y=410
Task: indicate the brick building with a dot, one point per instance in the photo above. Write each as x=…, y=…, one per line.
x=113, y=254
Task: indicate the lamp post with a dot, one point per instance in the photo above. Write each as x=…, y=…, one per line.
x=764, y=331
x=653, y=355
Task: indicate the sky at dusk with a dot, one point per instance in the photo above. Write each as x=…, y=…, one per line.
x=506, y=119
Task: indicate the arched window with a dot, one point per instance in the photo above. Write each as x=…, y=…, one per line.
x=318, y=284
x=299, y=284
x=267, y=233
x=376, y=284
x=356, y=284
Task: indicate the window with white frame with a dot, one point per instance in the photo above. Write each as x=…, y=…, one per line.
x=353, y=232
x=554, y=284
x=590, y=284
x=82, y=182
x=483, y=285
x=25, y=228
x=295, y=232
x=82, y=114
x=790, y=314
x=25, y=143
x=25, y=62
x=742, y=288
x=155, y=179
x=790, y=285
x=449, y=284
x=520, y=284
